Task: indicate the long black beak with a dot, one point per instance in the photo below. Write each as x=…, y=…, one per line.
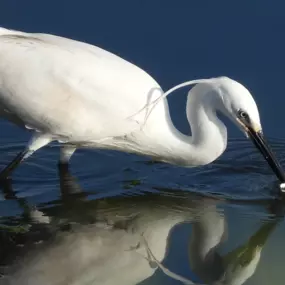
x=260, y=142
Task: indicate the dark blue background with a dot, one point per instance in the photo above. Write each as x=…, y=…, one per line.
x=176, y=41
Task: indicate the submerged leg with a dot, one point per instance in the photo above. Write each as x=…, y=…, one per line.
x=68, y=183
x=37, y=142
x=65, y=153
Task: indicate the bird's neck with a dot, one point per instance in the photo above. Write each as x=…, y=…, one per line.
x=209, y=134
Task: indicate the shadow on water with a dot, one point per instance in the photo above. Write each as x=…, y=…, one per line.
x=159, y=237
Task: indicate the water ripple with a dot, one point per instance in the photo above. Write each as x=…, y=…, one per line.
x=240, y=172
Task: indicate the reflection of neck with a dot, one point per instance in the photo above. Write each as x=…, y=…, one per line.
x=207, y=234
x=156, y=231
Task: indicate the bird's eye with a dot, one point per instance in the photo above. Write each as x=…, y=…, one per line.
x=243, y=115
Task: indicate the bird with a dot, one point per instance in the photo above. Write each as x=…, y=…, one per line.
x=86, y=97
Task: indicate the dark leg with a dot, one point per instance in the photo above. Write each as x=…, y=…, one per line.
x=12, y=165
x=73, y=199
x=37, y=141
x=9, y=193
x=68, y=183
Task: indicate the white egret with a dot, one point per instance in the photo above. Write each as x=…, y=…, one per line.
x=84, y=96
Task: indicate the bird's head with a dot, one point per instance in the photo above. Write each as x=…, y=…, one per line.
x=239, y=105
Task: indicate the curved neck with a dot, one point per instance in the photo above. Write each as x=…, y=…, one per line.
x=209, y=134
x=161, y=140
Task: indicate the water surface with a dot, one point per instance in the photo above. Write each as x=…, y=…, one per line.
x=114, y=218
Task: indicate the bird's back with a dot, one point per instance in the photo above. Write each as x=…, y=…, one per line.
x=70, y=89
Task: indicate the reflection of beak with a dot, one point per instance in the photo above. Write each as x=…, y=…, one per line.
x=241, y=263
x=260, y=142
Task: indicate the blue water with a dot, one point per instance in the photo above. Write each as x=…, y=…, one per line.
x=174, y=41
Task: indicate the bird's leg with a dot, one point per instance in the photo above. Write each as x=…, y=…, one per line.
x=37, y=141
x=12, y=165
x=65, y=154
x=73, y=198
x=7, y=189
x=64, y=175
x=30, y=214
x=68, y=183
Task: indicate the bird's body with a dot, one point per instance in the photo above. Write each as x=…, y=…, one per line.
x=84, y=96
x=78, y=94
x=73, y=91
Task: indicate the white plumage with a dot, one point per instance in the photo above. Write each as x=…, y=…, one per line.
x=84, y=96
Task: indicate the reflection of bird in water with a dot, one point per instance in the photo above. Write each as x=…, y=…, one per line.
x=125, y=239
x=234, y=268
x=83, y=96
